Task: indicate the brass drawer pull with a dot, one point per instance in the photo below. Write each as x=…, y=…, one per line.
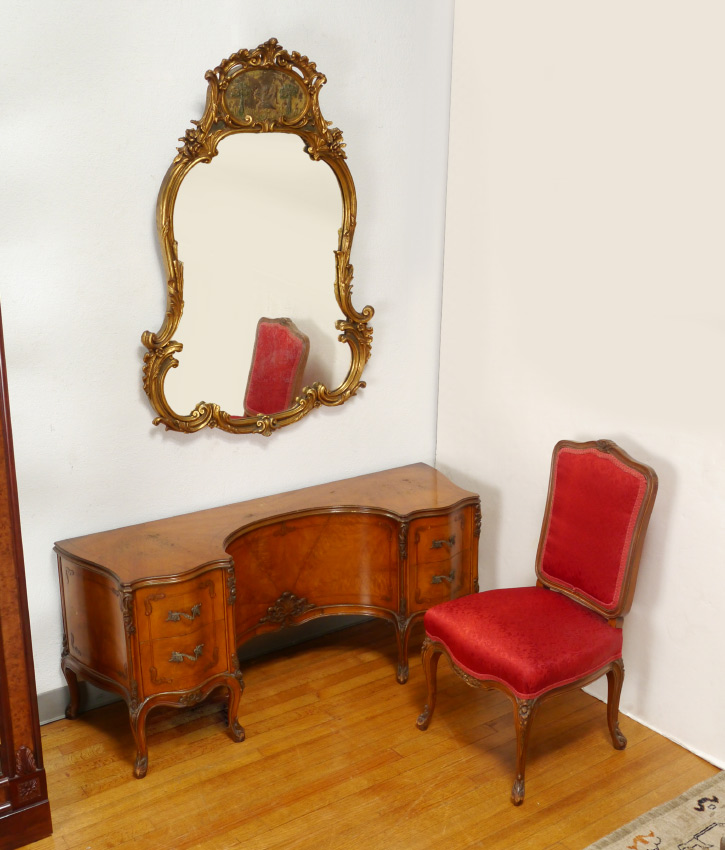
x=175, y=616
x=440, y=579
x=178, y=657
x=439, y=544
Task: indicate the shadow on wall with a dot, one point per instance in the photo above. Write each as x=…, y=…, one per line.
x=649, y=579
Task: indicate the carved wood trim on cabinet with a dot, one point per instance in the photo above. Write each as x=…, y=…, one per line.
x=24, y=807
x=156, y=611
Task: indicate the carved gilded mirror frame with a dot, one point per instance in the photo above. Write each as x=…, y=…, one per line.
x=228, y=111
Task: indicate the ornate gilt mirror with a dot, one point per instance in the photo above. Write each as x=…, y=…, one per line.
x=252, y=240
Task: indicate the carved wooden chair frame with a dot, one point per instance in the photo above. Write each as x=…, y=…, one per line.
x=525, y=709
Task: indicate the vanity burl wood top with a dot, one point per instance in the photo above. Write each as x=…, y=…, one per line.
x=172, y=546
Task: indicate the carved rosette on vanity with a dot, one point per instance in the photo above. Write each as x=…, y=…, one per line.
x=285, y=609
x=239, y=101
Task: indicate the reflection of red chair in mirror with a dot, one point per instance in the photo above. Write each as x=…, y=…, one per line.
x=278, y=363
x=535, y=642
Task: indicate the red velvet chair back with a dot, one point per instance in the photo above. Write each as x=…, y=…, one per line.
x=597, y=511
x=278, y=363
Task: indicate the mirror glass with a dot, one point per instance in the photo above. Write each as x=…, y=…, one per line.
x=257, y=229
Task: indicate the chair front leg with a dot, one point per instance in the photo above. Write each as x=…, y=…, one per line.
x=524, y=711
x=430, y=655
x=615, y=678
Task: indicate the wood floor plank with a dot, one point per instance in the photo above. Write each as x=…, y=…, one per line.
x=333, y=759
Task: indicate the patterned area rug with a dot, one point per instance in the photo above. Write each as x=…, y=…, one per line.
x=693, y=821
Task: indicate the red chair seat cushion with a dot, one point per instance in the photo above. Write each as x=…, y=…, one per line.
x=528, y=638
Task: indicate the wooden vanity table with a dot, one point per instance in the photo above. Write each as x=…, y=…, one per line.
x=156, y=612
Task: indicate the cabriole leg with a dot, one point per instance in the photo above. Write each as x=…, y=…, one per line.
x=430, y=654
x=402, y=636
x=71, y=711
x=615, y=678
x=524, y=711
x=236, y=730
x=138, y=727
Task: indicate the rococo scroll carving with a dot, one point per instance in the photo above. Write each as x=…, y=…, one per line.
x=403, y=540
x=232, y=586
x=286, y=608
x=263, y=90
x=127, y=610
x=477, y=519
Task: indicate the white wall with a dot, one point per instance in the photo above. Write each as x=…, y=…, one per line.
x=584, y=296
x=583, y=287
x=95, y=96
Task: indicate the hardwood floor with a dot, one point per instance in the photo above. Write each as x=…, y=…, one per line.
x=333, y=759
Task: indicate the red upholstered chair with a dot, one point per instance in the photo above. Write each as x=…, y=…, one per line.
x=278, y=363
x=535, y=642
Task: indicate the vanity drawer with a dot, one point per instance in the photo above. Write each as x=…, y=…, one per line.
x=183, y=608
x=185, y=661
x=439, y=581
x=441, y=561
x=435, y=540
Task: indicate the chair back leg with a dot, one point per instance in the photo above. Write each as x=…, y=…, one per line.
x=615, y=678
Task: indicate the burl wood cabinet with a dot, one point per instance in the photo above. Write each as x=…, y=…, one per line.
x=156, y=612
x=24, y=807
